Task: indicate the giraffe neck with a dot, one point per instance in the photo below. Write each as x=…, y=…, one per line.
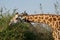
x=47, y=19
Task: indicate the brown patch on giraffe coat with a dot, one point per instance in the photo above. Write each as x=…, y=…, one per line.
x=48, y=22
x=44, y=21
x=59, y=23
x=41, y=17
x=35, y=17
x=31, y=17
x=54, y=19
x=46, y=17
x=50, y=19
x=38, y=21
x=58, y=19
x=49, y=15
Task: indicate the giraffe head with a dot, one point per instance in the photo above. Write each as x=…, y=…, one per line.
x=17, y=18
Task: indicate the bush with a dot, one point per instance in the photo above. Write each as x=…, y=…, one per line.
x=17, y=32
x=20, y=31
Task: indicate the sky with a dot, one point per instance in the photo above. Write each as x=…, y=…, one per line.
x=30, y=6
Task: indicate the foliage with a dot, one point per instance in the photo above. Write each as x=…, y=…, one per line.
x=17, y=32
x=13, y=32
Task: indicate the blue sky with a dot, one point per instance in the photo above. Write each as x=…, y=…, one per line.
x=29, y=5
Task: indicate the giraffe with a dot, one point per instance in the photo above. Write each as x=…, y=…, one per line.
x=52, y=20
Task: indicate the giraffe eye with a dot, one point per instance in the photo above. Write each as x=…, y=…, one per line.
x=17, y=18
